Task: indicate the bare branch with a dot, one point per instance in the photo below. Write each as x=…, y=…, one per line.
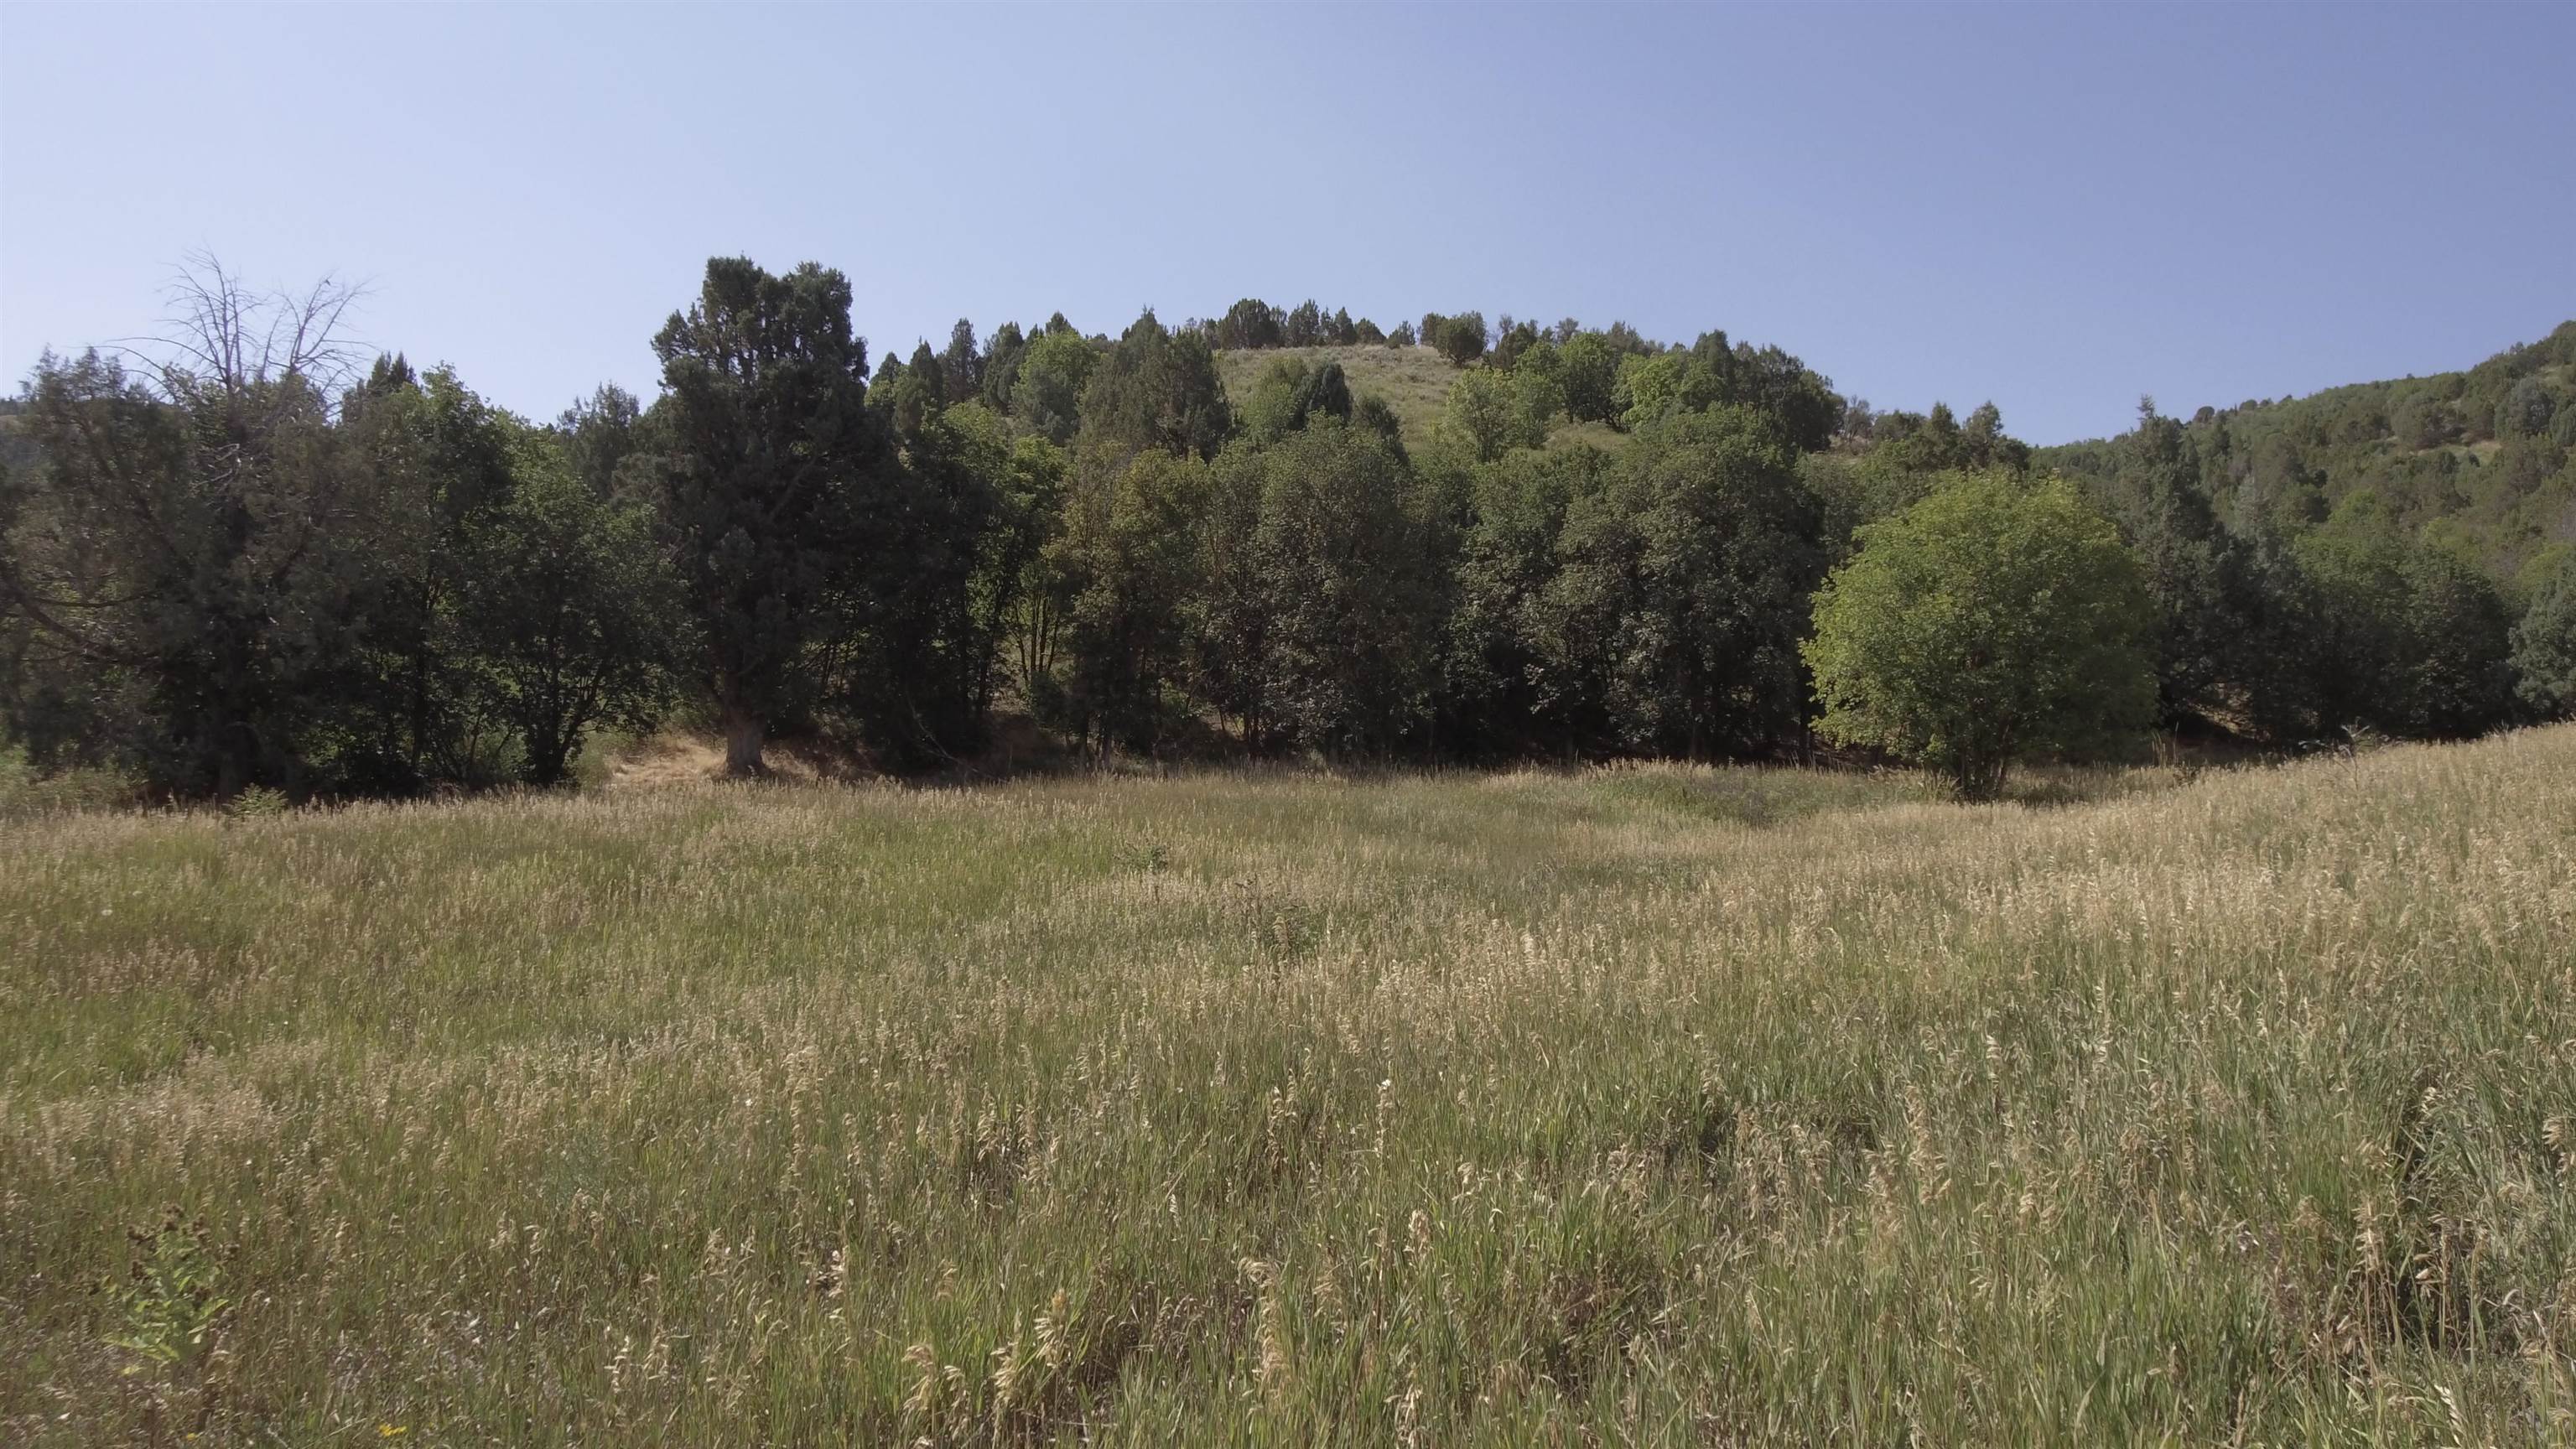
x=222, y=337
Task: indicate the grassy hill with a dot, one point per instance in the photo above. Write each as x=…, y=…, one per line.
x=1415, y=381
x=1644, y=1105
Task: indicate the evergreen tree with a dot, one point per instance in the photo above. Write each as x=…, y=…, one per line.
x=1158, y=390
x=600, y=434
x=777, y=474
x=1305, y=324
x=1053, y=373
x=961, y=364
x=1002, y=367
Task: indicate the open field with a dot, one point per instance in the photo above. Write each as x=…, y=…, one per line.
x=1646, y=1105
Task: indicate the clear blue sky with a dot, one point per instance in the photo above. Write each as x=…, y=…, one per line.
x=2054, y=207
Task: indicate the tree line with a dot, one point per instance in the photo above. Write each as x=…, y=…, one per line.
x=254, y=558
x=2397, y=555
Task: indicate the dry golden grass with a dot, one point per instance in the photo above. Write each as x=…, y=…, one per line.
x=1644, y=1105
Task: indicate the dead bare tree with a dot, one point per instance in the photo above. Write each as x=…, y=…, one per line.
x=179, y=546
x=223, y=338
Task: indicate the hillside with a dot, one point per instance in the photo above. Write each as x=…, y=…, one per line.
x=2486, y=458
x=1415, y=381
x=1653, y=1104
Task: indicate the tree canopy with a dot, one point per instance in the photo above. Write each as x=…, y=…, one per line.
x=1998, y=618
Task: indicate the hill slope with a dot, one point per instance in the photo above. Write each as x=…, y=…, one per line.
x=2487, y=456
x=1415, y=381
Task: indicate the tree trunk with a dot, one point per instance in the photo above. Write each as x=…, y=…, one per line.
x=744, y=732
x=546, y=765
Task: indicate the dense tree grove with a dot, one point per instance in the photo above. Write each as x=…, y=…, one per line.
x=251, y=558
x=1253, y=323
x=2383, y=554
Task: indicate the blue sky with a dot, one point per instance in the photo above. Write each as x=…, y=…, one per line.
x=2055, y=207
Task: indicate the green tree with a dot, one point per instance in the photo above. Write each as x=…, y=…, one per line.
x=1986, y=442
x=2459, y=644
x=1124, y=567
x=1590, y=371
x=600, y=433
x=1229, y=623
x=775, y=471
x=913, y=660
x=1539, y=400
x=1803, y=403
x=2544, y=641
x=1711, y=373
x=1512, y=342
x=961, y=364
x=1461, y=339
x=437, y=459
x=1002, y=367
x=1648, y=387
x=1485, y=416
x=1999, y=618
x=1027, y=477
x=1326, y=393
x=1519, y=671
x=1371, y=413
x=1305, y=324
x=1157, y=390
x=573, y=615
x=1344, y=563
x=174, y=585
x=1684, y=584
x=1290, y=394
x=2197, y=575
x=2403, y=636
x=906, y=394
x=2526, y=410
x=1054, y=372
x=1251, y=323
x=1276, y=405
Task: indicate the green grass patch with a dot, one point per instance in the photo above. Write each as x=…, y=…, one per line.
x=1649, y=1104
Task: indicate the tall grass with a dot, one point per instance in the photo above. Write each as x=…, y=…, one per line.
x=26, y=794
x=1649, y=1105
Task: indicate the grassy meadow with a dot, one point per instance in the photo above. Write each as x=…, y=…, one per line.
x=1415, y=382
x=1650, y=1105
